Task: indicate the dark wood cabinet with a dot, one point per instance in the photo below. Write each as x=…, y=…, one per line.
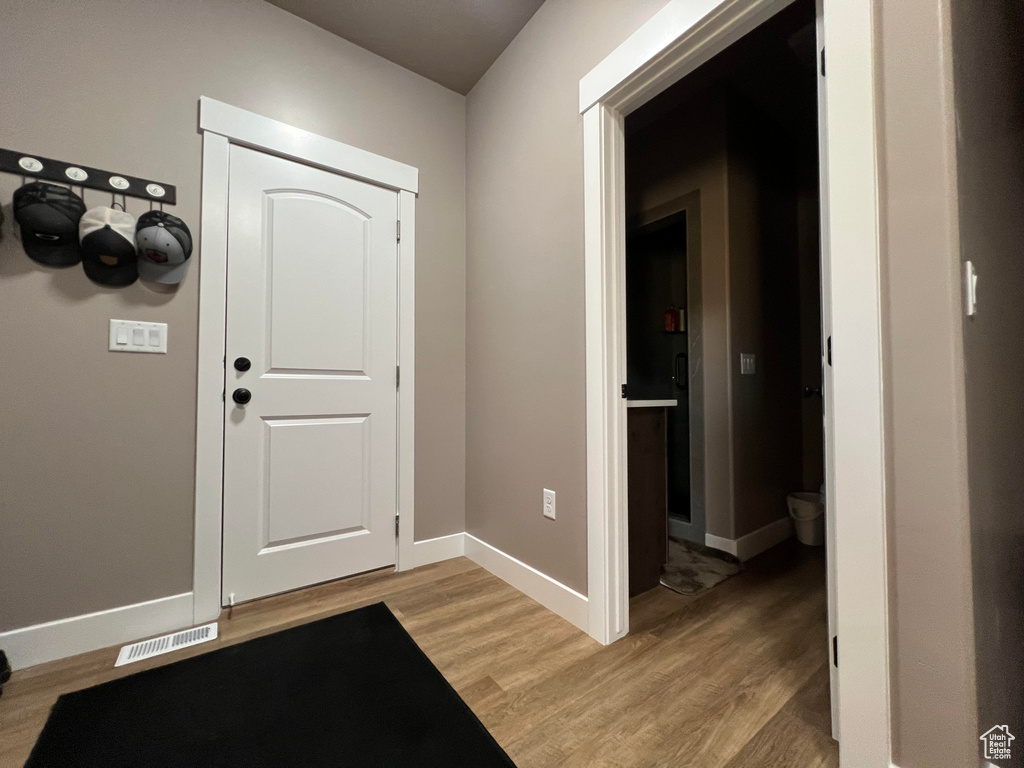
x=648, y=497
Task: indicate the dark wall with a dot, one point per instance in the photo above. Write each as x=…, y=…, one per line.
x=764, y=280
x=988, y=54
x=655, y=280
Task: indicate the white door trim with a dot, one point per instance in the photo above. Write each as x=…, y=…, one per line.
x=248, y=129
x=679, y=38
x=221, y=126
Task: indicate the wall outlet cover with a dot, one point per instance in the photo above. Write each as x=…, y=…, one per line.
x=748, y=364
x=549, y=504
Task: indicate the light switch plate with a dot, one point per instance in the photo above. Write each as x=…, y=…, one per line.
x=748, y=364
x=135, y=336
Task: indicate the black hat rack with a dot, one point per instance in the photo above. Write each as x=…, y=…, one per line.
x=36, y=167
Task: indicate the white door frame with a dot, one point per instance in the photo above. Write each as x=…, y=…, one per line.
x=678, y=39
x=223, y=125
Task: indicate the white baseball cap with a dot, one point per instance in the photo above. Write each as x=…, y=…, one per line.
x=108, y=246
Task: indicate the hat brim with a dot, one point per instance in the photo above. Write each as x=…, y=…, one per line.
x=121, y=275
x=162, y=273
x=51, y=254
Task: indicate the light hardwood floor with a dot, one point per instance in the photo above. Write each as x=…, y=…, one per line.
x=734, y=678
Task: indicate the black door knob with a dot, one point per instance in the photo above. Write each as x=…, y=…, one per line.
x=242, y=364
x=241, y=396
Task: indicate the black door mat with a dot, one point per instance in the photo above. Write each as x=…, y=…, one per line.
x=350, y=691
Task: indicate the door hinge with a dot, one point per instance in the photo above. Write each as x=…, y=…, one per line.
x=396, y=525
x=830, y=351
x=623, y=391
x=835, y=651
x=398, y=230
x=398, y=377
x=822, y=62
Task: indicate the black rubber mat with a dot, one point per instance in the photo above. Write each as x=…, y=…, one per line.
x=352, y=690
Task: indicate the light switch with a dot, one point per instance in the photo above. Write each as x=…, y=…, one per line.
x=136, y=336
x=748, y=364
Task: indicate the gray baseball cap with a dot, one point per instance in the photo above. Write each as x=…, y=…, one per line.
x=165, y=245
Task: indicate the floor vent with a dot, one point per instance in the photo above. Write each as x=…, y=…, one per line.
x=146, y=649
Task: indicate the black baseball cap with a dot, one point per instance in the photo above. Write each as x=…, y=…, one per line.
x=48, y=216
x=165, y=245
x=108, y=246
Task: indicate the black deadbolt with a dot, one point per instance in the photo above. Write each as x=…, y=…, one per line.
x=242, y=364
x=241, y=396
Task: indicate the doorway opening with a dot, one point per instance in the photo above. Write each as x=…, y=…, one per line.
x=674, y=44
x=723, y=334
x=663, y=332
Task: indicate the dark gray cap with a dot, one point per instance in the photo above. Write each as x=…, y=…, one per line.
x=48, y=216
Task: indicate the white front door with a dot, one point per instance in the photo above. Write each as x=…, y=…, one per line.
x=310, y=469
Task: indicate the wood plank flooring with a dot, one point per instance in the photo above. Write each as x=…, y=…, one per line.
x=734, y=678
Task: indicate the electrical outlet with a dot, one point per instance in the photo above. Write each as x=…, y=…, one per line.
x=748, y=364
x=549, y=504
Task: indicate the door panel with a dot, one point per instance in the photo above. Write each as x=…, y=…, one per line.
x=313, y=289
x=318, y=473
x=310, y=469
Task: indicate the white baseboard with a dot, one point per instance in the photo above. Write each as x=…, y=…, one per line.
x=755, y=542
x=720, y=543
x=553, y=595
x=59, y=639
x=435, y=550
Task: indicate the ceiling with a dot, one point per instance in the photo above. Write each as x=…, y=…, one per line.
x=452, y=42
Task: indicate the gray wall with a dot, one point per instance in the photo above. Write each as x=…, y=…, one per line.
x=97, y=448
x=934, y=722
x=988, y=55
x=526, y=384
